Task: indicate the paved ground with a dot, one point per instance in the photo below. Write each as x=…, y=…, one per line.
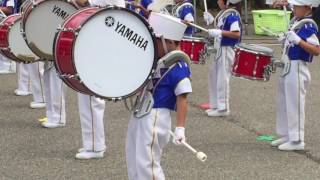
x=28, y=151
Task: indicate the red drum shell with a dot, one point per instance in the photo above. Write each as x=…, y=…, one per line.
x=64, y=48
x=193, y=47
x=250, y=65
x=4, y=33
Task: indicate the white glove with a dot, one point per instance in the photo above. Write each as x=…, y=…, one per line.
x=214, y=32
x=208, y=18
x=292, y=37
x=179, y=136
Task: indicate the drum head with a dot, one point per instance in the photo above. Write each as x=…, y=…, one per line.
x=256, y=48
x=114, y=53
x=18, y=45
x=41, y=25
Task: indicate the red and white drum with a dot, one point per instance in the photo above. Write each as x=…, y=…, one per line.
x=12, y=44
x=252, y=62
x=40, y=20
x=109, y=52
x=195, y=48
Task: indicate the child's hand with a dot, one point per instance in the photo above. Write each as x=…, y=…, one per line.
x=214, y=32
x=208, y=18
x=292, y=37
x=179, y=136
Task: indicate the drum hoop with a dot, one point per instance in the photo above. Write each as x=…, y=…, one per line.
x=193, y=39
x=11, y=56
x=28, y=10
x=254, y=52
x=65, y=80
x=152, y=71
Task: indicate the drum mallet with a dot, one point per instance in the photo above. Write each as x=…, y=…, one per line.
x=200, y=155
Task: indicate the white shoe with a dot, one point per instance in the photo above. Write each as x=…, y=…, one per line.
x=37, y=105
x=83, y=149
x=292, y=146
x=90, y=155
x=5, y=71
x=279, y=141
x=52, y=125
x=21, y=93
x=217, y=113
x=209, y=110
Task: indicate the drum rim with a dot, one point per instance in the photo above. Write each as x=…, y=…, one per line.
x=238, y=46
x=25, y=15
x=57, y=34
x=12, y=56
x=194, y=39
x=144, y=21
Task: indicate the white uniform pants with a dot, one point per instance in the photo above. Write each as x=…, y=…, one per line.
x=219, y=78
x=37, y=84
x=146, y=138
x=23, y=77
x=91, y=110
x=55, y=91
x=6, y=64
x=291, y=101
x=30, y=78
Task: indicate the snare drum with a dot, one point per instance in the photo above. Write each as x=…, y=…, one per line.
x=12, y=44
x=107, y=52
x=40, y=21
x=195, y=48
x=252, y=62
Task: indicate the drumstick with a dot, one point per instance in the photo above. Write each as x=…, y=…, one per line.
x=4, y=15
x=286, y=16
x=196, y=26
x=200, y=155
x=205, y=5
x=268, y=31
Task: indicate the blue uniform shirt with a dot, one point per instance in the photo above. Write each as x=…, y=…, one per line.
x=145, y=4
x=228, y=21
x=128, y=6
x=297, y=52
x=185, y=9
x=164, y=94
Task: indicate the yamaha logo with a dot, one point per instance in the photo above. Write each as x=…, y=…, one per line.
x=109, y=21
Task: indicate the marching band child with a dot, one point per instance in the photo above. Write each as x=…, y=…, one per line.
x=301, y=45
x=185, y=12
x=148, y=135
x=228, y=34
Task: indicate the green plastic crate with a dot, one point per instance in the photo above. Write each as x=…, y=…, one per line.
x=273, y=20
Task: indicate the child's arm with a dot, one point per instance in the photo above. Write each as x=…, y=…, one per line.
x=310, y=48
x=182, y=109
x=231, y=34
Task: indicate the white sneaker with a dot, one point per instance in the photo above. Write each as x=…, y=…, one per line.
x=5, y=71
x=279, y=141
x=217, y=113
x=292, y=146
x=21, y=93
x=209, y=110
x=52, y=125
x=90, y=155
x=37, y=105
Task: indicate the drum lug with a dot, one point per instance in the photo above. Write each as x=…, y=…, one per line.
x=116, y=99
x=71, y=76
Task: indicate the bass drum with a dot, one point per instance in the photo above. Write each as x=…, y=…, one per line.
x=109, y=52
x=12, y=43
x=40, y=21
